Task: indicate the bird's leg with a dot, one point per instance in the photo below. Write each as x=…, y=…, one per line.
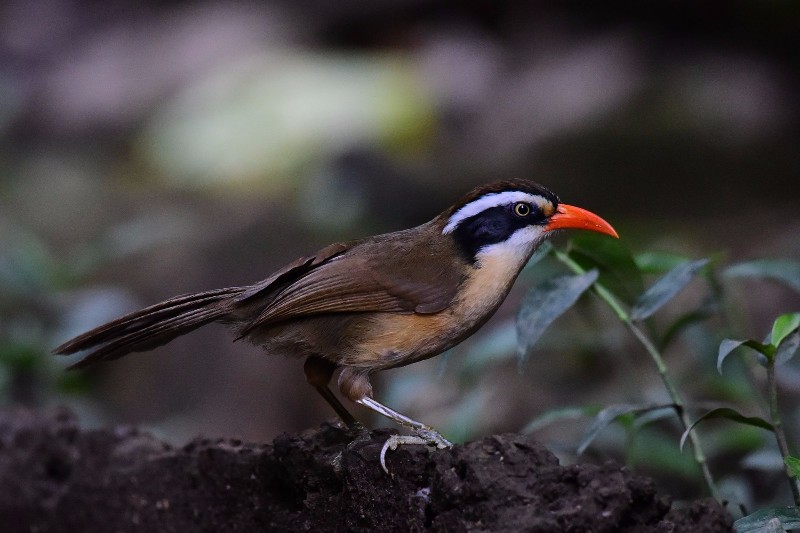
x=430, y=435
x=356, y=386
x=318, y=373
x=424, y=434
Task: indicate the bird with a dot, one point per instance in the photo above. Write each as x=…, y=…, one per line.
x=360, y=307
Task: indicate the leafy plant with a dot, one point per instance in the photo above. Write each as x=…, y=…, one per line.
x=601, y=272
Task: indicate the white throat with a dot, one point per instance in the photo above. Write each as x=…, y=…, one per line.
x=514, y=251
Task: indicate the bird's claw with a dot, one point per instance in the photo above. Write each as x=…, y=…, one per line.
x=424, y=436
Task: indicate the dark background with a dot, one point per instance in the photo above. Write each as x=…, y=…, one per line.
x=151, y=149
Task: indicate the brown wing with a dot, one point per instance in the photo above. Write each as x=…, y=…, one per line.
x=388, y=273
x=292, y=271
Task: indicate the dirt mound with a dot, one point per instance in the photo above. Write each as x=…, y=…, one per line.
x=56, y=476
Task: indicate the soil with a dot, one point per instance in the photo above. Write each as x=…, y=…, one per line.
x=57, y=476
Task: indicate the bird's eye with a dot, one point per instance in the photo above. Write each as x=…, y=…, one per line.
x=521, y=209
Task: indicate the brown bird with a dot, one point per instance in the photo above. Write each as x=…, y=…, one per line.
x=364, y=306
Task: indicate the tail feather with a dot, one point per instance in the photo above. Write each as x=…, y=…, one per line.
x=150, y=327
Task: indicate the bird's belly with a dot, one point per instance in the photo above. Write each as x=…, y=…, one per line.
x=397, y=340
x=373, y=341
x=393, y=340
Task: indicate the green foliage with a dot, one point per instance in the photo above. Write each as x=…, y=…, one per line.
x=658, y=262
x=556, y=415
x=783, y=271
x=614, y=262
x=783, y=342
x=784, y=326
x=616, y=412
x=547, y=302
x=793, y=465
x=666, y=289
x=606, y=268
x=730, y=414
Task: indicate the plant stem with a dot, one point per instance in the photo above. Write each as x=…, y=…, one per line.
x=612, y=301
x=777, y=426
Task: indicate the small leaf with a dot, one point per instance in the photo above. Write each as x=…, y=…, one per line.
x=787, y=348
x=555, y=415
x=729, y=345
x=543, y=304
x=793, y=465
x=759, y=521
x=783, y=271
x=608, y=415
x=654, y=415
x=665, y=289
x=730, y=414
x=783, y=326
x=725, y=348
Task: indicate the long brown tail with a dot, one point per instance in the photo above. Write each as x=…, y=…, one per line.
x=150, y=327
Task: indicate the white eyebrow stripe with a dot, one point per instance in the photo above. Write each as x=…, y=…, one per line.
x=486, y=202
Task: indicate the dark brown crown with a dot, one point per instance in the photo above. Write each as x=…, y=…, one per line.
x=503, y=186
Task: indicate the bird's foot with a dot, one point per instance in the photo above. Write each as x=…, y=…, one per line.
x=425, y=436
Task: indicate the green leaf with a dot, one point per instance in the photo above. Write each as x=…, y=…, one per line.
x=730, y=414
x=654, y=415
x=780, y=270
x=763, y=520
x=787, y=348
x=665, y=289
x=658, y=262
x=729, y=345
x=618, y=271
x=793, y=465
x=556, y=415
x=783, y=326
x=609, y=415
x=543, y=304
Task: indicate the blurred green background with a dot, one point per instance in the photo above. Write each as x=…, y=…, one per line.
x=149, y=149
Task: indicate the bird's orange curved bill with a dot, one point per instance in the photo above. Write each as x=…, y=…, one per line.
x=571, y=217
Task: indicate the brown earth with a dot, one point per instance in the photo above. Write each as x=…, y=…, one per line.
x=56, y=476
